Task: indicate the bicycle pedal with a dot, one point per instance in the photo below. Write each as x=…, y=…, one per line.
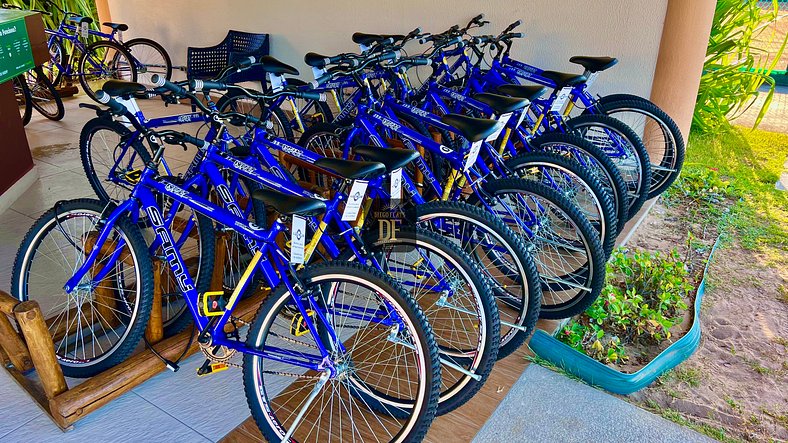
x=134, y=176
x=209, y=368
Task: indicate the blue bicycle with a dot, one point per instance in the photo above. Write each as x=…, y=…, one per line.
x=322, y=346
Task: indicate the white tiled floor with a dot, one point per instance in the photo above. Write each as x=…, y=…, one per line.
x=171, y=407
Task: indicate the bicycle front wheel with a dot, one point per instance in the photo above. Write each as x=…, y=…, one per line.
x=102, y=61
x=387, y=381
x=23, y=99
x=101, y=322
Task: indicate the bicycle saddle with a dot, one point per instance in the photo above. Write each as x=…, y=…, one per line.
x=118, y=88
x=474, y=129
x=274, y=66
x=287, y=204
x=315, y=60
x=362, y=38
x=562, y=79
x=351, y=169
x=78, y=19
x=594, y=64
x=391, y=158
x=117, y=26
x=500, y=103
x=527, y=92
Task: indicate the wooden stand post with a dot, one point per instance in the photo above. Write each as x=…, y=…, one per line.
x=42, y=351
x=14, y=347
x=155, y=329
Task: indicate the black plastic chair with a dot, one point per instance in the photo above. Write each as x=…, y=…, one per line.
x=207, y=63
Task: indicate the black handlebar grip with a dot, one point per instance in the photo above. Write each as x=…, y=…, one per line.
x=320, y=80
x=516, y=35
x=392, y=55
x=160, y=82
x=201, y=85
x=245, y=62
x=194, y=141
x=478, y=17
x=311, y=95
x=421, y=61
x=105, y=99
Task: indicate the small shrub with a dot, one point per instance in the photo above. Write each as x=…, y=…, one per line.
x=643, y=298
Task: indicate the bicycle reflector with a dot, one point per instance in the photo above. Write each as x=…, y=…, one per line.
x=213, y=303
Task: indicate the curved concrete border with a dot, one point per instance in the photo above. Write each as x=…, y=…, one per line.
x=605, y=377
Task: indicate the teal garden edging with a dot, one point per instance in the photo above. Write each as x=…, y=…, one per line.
x=607, y=378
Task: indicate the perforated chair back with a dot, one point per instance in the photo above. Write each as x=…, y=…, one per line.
x=206, y=63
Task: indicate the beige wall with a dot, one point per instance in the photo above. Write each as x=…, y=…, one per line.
x=555, y=29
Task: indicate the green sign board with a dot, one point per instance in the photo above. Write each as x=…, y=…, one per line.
x=15, y=54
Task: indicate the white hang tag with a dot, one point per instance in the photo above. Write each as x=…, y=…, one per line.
x=364, y=48
x=591, y=78
x=502, y=121
x=354, y=200
x=522, y=115
x=317, y=72
x=297, y=240
x=120, y=35
x=473, y=155
x=277, y=83
x=396, y=186
x=83, y=29
x=561, y=99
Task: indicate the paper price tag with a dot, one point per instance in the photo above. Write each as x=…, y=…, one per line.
x=277, y=83
x=502, y=121
x=396, y=186
x=83, y=29
x=297, y=239
x=120, y=35
x=561, y=99
x=354, y=200
x=473, y=155
x=131, y=105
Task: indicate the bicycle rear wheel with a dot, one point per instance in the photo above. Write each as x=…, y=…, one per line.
x=102, y=61
x=389, y=376
x=44, y=98
x=100, y=323
x=626, y=150
x=455, y=298
x=502, y=258
x=566, y=248
x=23, y=99
x=150, y=58
x=661, y=136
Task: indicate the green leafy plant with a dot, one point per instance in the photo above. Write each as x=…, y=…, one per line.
x=85, y=8
x=735, y=68
x=643, y=298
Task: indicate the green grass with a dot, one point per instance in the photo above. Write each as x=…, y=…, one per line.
x=688, y=375
x=676, y=417
x=742, y=165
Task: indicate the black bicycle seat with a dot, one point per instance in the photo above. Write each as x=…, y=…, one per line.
x=290, y=204
x=500, y=103
x=274, y=66
x=594, y=64
x=527, y=92
x=474, y=129
x=118, y=88
x=391, y=157
x=352, y=169
x=563, y=79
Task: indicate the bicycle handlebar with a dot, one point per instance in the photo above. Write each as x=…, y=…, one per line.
x=113, y=105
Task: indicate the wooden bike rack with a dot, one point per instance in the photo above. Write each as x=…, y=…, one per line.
x=33, y=350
